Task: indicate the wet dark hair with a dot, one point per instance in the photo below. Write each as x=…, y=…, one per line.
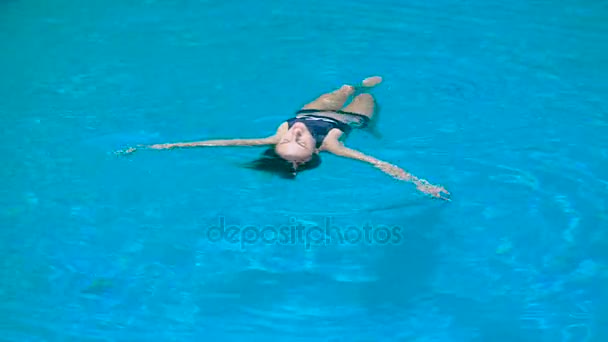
x=271, y=162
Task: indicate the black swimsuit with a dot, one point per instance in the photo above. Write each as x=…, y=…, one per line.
x=319, y=126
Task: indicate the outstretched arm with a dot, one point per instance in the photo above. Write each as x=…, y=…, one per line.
x=206, y=143
x=337, y=148
x=271, y=140
x=340, y=150
x=219, y=142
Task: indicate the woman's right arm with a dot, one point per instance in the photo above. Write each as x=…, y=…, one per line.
x=336, y=147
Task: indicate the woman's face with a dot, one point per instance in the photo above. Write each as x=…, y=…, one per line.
x=297, y=145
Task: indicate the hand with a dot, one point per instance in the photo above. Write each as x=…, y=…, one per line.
x=126, y=151
x=433, y=190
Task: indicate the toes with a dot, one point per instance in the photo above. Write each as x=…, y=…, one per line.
x=372, y=81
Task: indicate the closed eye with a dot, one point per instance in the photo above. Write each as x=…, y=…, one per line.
x=300, y=143
x=287, y=141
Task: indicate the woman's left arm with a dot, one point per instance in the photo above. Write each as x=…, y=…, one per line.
x=217, y=142
x=205, y=143
x=270, y=140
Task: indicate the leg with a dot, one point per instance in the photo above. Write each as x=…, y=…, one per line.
x=364, y=104
x=337, y=98
x=331, y=101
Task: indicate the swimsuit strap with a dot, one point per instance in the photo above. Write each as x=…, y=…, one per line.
x=364, y=118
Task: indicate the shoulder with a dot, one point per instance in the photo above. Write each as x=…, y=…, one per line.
x=280, y=131
x=333, y=139
x=283, y=127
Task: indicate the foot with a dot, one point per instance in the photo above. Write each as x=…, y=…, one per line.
x=371, y=81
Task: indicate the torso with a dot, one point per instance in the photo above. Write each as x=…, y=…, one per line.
x=319, y=125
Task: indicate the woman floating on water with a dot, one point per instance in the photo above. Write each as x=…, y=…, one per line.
x=320, y=126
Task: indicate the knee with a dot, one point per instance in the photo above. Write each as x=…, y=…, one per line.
x=365, y=97
x=346, y=89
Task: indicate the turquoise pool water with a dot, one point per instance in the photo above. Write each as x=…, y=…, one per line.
x=504, y=103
